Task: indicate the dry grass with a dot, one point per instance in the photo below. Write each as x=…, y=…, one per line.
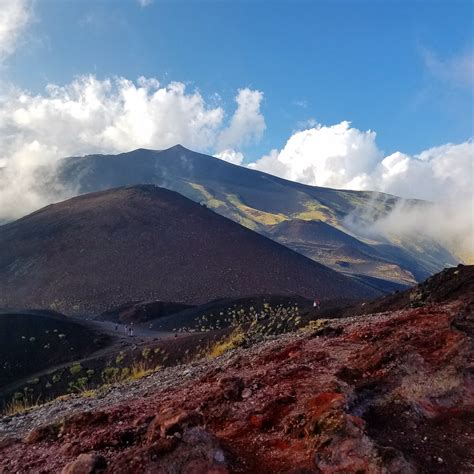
x=20, y=405
x=234, y=340
x=139, y=370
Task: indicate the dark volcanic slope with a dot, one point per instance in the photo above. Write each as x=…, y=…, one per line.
x=100, y=250
x=31, y=341
x=259, y=201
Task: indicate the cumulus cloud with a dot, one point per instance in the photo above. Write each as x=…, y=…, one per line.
x=107, y=116
x=341, y=156
x=344, y=157
x=247, y=124
x=231, y=156
x=334, y=156
x=14, y=17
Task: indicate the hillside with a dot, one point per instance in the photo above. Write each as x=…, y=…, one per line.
x=101, y=250
x=338, y=250
x=260, y=201
x=387, y=392
x=31, y=341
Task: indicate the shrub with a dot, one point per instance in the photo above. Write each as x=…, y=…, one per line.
x=75, y=368
x=111, y=375
x=120, y=358
x=56, y=378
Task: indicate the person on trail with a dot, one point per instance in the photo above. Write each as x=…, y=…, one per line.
x=317, y=303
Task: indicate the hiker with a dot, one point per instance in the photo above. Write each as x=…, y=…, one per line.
x=317, y=303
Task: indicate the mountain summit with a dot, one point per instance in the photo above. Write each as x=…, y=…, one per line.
x=261, y=202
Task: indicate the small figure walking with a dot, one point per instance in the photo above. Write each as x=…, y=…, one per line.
x=317, y=303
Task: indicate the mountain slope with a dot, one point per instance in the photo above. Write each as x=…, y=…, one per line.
x=259, y=201
x=100, y=250
x=338, y=250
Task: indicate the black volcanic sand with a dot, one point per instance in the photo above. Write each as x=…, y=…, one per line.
x=31, y=341
x=95, y=252
x=141, y=311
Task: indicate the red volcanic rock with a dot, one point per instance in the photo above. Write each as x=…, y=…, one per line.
x=172, y=421
x=386, y=392
x=86, y=464
x=196, y=452
x=41, y=433
x=231, y=387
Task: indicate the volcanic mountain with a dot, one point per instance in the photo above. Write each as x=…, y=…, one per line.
x=261, y=201
x=100, y=250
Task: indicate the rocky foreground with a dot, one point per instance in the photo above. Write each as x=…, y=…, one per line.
x=388, y=392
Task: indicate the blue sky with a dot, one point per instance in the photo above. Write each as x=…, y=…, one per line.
x=379, y=64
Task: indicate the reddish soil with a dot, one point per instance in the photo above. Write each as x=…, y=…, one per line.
x=387, y=392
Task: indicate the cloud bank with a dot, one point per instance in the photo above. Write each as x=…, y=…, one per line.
x=344, y=157
x=108, y=116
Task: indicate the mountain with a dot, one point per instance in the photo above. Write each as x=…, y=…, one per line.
x=261, y=201
x=100, y=250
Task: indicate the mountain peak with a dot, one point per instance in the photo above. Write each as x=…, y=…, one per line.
x=179, y=147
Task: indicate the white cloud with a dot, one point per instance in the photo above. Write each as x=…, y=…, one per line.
x=341, y=156
x=145, y=3
x=106, y=116
x=457, y=70
x=14, y=17
x=324, y=156
x=247, y=124
x=231, y=156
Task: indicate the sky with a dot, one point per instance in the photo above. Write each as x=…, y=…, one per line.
x=348, y=94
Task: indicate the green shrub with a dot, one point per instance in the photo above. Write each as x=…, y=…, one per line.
x=75, y=368
x=56, y=378
x=111, y=375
